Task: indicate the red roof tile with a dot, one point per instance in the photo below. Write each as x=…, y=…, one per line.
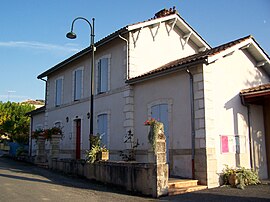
x=260, y=88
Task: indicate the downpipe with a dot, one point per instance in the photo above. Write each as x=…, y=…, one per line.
x=191, y=94
x=249, y=131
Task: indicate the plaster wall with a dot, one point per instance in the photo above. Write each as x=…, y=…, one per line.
x=116, y=50
x=37, y=123
x=111, y=102
x=224, y=113
x=153, y=46
x=173, y=90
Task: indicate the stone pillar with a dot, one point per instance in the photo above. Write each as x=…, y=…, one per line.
x=129, y=112
x=40, y=158
x=161, y=175
x=54, y=148
x=205, y=135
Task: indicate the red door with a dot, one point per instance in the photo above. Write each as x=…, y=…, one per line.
x=78, y=139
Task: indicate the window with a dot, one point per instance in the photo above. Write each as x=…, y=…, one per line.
x=58, y=91
x=160, y=113
x=78, y=79
x=103, y=128
x=103, y=72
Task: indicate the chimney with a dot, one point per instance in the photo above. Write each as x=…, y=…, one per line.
x=165, y=12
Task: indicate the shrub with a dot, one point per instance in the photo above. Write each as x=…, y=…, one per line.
x=240, y=177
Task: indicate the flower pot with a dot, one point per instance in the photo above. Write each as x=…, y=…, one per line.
x=233, y=180
x=103, y=156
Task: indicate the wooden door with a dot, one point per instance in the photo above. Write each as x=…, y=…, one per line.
x=78, y=139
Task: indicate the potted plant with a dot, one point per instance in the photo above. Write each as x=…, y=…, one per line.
x=47, y=134
x=97, y=152
x=240, y=177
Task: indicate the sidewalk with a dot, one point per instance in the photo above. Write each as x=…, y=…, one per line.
x=258, y=193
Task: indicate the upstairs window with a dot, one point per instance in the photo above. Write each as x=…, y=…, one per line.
x=78, y=84
x=103, y=75
x=58, y=91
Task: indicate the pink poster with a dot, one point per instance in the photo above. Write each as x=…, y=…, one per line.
x=224, y=144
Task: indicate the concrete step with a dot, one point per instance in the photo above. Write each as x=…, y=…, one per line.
x=183, y=190
x=179, y=183
x=181, y=186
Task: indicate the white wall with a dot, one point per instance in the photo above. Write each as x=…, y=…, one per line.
x=148, y=53
x=174, y=90
x=37, y=122
x=225, y=115
x=111, y=102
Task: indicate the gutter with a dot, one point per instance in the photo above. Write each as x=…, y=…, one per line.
x=249, y=130
x=164, y=72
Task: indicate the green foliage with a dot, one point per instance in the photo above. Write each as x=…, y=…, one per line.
x=130, y=154
x=14, y=122
x=20, y=151
x=155, y=127
x=243, y=177
x=47, y=133
x=91, y=155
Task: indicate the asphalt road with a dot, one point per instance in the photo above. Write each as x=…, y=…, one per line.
x=24, y=182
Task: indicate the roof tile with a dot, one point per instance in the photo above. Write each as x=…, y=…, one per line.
x=255, y=89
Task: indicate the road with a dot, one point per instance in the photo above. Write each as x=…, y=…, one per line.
x=21, y=182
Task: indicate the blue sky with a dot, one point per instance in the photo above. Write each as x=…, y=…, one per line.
x=32, y=36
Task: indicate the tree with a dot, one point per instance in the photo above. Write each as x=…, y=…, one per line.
x=14, y=122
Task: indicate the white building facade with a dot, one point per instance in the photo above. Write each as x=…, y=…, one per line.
x=163, y=69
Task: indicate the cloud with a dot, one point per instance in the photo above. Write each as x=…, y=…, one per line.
x=39, y=46
x=13, y=98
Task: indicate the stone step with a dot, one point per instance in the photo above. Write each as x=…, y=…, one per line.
x=183, y=190
x=180, y=183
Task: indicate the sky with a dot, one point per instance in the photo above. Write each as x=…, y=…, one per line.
x=32, y=33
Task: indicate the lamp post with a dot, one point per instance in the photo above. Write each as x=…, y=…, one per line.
x=72, y=35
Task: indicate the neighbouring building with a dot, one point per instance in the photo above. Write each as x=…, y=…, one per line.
x=213, y=102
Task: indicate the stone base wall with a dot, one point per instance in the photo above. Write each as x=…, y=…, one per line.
x=143, y=178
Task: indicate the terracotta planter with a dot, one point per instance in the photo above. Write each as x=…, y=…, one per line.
x=103, y=156
x=233, y=180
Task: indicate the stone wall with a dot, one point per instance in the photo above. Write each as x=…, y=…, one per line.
x=146, y=178
x=133, y=176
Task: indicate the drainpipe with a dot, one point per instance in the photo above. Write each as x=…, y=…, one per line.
x=192, y=122
x=249, y=131
x=127, y=68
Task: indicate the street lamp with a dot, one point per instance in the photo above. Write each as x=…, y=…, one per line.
x=72, y=35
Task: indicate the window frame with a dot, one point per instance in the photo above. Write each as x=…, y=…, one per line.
x=58, y=101
x=102, y=87
x=77, y=96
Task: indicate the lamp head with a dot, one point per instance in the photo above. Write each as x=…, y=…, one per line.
x=71, y=35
